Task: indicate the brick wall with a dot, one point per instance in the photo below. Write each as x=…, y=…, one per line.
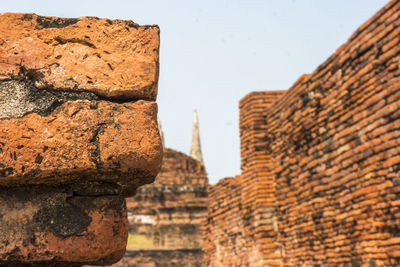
x=223, y=232
x=241, y=226
x=258, y=193
x=320, y=177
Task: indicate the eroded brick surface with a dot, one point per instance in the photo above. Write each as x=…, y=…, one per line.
x=113, y=58
x=322, y=164
x=50, y=224
x=82, y=141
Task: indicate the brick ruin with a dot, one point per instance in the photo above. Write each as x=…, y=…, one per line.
x=78, y=133
x=320, y=162
x=320, y=182
x=165, y=217
x=241, y=219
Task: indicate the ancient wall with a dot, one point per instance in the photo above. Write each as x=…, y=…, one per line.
x=165, y=217
x=258, y=193
x=326, y=155
x=78, y=133
x=241, y=228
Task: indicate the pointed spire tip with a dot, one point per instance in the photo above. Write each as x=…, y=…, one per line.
x=195, y=150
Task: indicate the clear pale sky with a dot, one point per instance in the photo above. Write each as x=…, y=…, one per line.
x=213, y=52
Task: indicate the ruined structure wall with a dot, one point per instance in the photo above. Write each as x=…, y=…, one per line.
x=329, y=147
x=240, y=229
x=241, y=226
x=165, y=217
x=334, y=140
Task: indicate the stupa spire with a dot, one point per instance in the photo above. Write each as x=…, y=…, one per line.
x=195, y=150
x=161, y=132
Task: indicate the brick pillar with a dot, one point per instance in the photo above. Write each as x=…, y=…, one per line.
x=78, y=133
x=258, y=193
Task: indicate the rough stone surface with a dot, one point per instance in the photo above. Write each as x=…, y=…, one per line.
x=165, y=217
x=319, y=166
x=112, y=58
x=50, y=224
x=82, y=141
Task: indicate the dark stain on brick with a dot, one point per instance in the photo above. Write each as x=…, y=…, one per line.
x=46, y=22
x=354, y=263
x=4, y=172
x=62, y=219
x=305, y=98
x=372, y=263
x=38, y=159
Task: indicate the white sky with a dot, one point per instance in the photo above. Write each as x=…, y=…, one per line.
x=213, y=52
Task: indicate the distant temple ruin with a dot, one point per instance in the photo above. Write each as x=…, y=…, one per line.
x=320, y=181
x=165, y=217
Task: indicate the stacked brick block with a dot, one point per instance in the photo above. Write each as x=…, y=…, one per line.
x=78, y=133
x=258, y=192
x=322, y=162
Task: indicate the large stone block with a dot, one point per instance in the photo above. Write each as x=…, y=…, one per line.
x=112, y=58
x=52, y=224
x=82, y=141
